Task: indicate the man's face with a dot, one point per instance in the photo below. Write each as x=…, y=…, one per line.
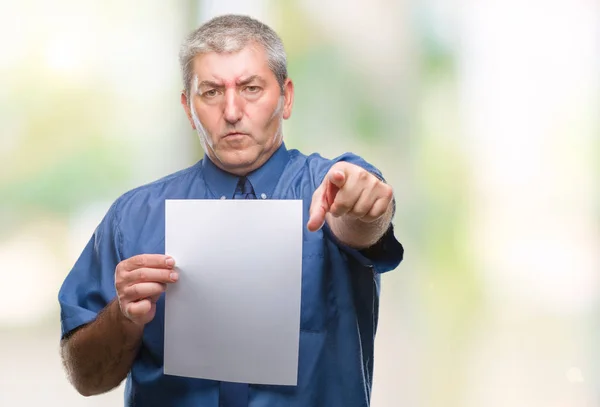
x=237, y=108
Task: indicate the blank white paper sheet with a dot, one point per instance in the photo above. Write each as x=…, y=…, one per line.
x=234, y=314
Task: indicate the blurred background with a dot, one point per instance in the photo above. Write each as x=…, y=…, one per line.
x=483, y=115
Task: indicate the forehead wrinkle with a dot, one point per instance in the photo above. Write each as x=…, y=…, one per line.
x=251, y=47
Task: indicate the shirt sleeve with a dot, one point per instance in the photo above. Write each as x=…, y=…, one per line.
x=387, y=253
x=89, y=286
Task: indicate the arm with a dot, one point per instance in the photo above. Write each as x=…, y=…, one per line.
x=98, y=356
x=357, y=206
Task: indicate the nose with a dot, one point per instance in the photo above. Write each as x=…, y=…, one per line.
x=233, y=107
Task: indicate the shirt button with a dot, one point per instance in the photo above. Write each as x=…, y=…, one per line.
x=223, y=197
x=263, y=195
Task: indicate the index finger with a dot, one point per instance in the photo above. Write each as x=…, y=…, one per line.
x=317, y=211
x=148, y=261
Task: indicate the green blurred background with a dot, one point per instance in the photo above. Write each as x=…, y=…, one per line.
x=483, y=115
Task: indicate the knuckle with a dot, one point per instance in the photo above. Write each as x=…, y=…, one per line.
x=119, y=272
x=136, y=261
x=375, y=182
x=140, y=261
x=388, y=192
x=123, y=294
x=121, y=289
x=143, y=276
x=118, y=281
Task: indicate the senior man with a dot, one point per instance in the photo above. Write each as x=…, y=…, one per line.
x=237, y=94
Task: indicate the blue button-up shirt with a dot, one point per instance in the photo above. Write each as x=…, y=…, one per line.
x=340, y=288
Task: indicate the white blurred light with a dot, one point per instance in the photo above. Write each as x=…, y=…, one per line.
x=372, y=33
x=63, y=54
x=528, y=76
x=529, y=142
x=254, y=8
x=574, y=375
x=12, y=35
x=31, y=279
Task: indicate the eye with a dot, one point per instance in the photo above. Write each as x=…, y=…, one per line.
x=211, y=93
x=252, y=89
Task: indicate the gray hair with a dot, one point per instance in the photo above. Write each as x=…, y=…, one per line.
x=231, y=33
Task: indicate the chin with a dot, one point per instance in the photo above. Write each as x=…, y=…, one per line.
x=238, y=160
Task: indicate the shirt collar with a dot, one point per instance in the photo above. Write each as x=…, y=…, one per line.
x=263, y=179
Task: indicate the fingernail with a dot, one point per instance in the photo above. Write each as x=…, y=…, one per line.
x=174, y=276
x=170, y=261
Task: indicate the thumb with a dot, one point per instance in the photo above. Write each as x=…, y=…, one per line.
x=318, y=209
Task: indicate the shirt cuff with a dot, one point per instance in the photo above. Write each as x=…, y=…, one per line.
x=383, y=256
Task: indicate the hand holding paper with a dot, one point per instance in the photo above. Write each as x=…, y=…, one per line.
x=140, y=281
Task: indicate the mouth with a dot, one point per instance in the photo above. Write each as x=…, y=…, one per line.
x=234, y=134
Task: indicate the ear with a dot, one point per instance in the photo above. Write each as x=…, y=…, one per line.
x=288, y=93
x=186, y=108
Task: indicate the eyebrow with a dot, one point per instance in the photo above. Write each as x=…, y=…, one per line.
x=242, y=82
x=250, y=79
x=210, y=84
